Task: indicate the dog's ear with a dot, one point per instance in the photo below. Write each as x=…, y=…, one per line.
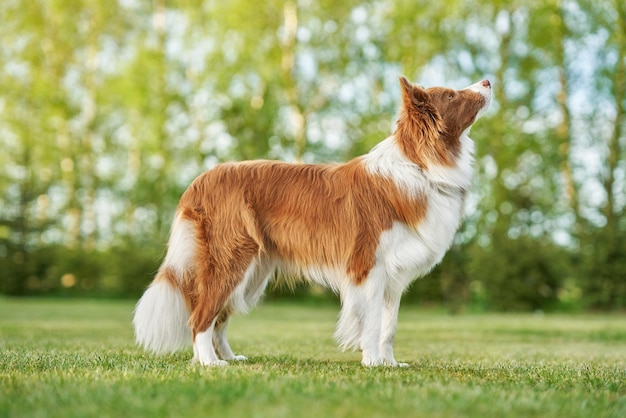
x=412, y=96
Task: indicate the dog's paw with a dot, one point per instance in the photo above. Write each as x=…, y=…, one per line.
x=371, y=362
x=235, y=357
x=393, y=363
x=210, y=363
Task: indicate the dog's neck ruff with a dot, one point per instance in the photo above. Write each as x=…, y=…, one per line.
x=386, y=159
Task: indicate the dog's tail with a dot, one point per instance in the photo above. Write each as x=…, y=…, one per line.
x=161, y=318
x=161, y=315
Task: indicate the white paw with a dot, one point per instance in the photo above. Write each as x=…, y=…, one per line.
x=393, y=363
x=240, y=358
x=371, y=362
x=213, y=363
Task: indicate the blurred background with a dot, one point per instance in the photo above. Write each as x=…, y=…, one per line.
x=110, y=108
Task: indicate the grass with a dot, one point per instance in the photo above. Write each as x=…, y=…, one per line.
x=67, y=358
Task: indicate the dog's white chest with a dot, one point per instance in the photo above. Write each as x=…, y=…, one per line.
x=408, y=253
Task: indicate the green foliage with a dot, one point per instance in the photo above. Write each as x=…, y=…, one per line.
x=77, y=359
x=526, y=276
x=110, y=109
x=605, y=284
x=114, y=272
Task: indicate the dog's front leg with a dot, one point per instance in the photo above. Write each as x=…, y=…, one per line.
x=372, y=297
x=391, y=305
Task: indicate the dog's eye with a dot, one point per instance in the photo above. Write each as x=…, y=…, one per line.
x=450, y=96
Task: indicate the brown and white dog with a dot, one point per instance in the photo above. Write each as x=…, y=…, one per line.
x=365, y=229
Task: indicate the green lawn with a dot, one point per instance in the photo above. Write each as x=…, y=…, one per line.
x=66, y=358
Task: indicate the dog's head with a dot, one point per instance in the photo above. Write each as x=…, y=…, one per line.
x=434, y=121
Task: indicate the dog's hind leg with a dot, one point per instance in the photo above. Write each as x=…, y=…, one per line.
x=203, y=321
x=222, y=347
x=223, y=269
x=207, y=323
x=241, y=300
x=203, y=351
x=255, y=287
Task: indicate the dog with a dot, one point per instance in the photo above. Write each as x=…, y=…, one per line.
x=366, y=229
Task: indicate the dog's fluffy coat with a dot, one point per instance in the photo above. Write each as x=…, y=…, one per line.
x=366, y=229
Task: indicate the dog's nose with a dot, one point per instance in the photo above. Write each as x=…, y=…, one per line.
x=486, y=83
